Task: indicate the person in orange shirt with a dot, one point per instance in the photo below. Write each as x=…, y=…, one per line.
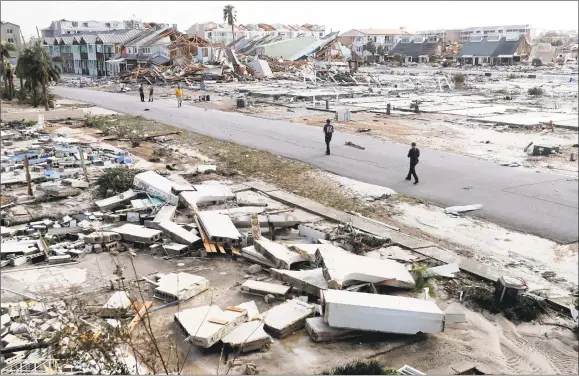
x=179, y=94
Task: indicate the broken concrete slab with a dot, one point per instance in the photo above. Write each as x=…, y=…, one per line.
x=218, y=227
x=249, y=336
x=342, y=268
x=288, y=317
x=264, y=288
x=461, y=209
x=446, y=270
x=177, y=233
x=166, y=213
x=119, y=300
x=114, y=202
x=138, y=234
x=251, y=254
x=174, y=249
x=392, y=253
x=156, y=186
x=310, y=281
x=277, y=253
x=454, y=314
x=381, y=313
x=206, y=194
x=180, y=286
x=206, y=325
x=320, y=331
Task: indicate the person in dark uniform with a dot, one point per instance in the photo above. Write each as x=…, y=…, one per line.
x=151, y=93
x=328, y=131
x=142, y=93
x=413, y=154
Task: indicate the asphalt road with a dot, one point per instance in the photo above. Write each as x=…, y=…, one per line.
x=538, y=203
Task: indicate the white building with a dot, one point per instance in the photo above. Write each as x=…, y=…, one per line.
x=222, y=33
x=462, y=36
x=10, y=33
x=65, y=27
x=387, y=38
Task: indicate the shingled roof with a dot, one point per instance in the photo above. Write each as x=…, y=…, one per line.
x=416, y=49
x=493, y=48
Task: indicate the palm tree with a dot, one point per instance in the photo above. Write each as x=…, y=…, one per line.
x=7, y=75
x=230, y=16
x=38, y=67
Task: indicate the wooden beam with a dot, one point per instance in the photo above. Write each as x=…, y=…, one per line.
x=143, y=310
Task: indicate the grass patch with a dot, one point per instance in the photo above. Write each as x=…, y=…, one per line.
x=30, y=123
x=361, y=367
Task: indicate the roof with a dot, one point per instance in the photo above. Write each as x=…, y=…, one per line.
x=119, y=37
x=492, y=48
x=416, y=49
x=507, y=47
x=88, y=39
x=159, y=60
x=65, y=40
x=48, y=40
x=354, y=32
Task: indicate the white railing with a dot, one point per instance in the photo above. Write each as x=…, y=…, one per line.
x=36, y=367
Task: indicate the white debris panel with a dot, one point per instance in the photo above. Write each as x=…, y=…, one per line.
x=381, y=313
x=180, y=286
x=218, y=226
x=156, y=186
x=342, y=268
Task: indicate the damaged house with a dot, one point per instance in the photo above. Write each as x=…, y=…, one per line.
x=419, y=49
x=494, y=50
x=544, y=52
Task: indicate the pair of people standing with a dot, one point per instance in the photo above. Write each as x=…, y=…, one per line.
x=142, y=93
x=413, y=153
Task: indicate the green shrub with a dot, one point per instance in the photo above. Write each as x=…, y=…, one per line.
x=116, y=179
x=536, y=91
x=361, y=367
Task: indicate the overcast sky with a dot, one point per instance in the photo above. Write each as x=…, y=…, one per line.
x=336, y=15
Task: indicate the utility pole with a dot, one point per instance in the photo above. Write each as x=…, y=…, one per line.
x=81, y=153
x=28, y=183
x=37, y=33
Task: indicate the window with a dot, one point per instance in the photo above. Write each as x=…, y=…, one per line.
x=90, y=48
x=375, y=39
x=10, y=40
x=68, y=32
x=146, y=50
x=9, y=31
x=74, y=24
x=85, y=24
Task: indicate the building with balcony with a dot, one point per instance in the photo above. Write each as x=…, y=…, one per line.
x=462, y=36
x=222, y=33
x=356, y=39
x=65, y=27
x=10, y=33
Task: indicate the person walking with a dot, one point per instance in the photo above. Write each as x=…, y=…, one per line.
x=413, y=154
x=151, y=93
x=328, y=131
x=142, y=93
x=179, y=94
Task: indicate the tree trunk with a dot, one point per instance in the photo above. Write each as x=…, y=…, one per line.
x=6, y=87
x=45, y=92
x=232, y=33
x=12, y=83
x=22, y=90
x=35, y=96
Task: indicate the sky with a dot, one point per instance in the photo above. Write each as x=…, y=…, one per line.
x=335, y=15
